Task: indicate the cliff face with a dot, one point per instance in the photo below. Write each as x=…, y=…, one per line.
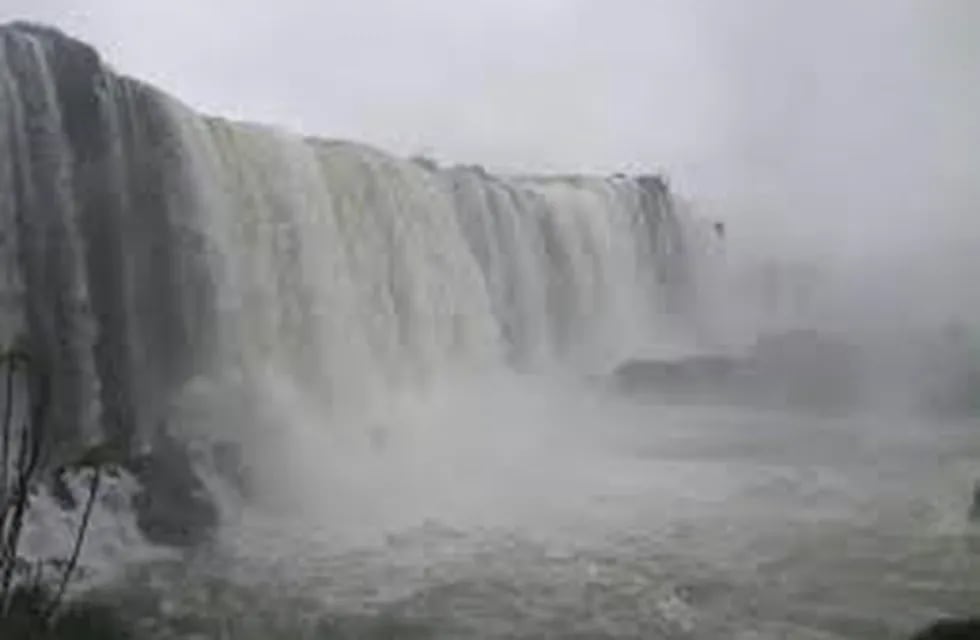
x=144, y=245
x=90, y=182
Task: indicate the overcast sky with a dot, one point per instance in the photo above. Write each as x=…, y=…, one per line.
x=816, y=122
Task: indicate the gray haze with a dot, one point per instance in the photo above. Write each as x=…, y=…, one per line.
x=841, y=130
x=384, y=480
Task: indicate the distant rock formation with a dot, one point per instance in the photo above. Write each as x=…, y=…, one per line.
x=799, y=368
x=959, y=629
x=426, y=163
x=687, y=377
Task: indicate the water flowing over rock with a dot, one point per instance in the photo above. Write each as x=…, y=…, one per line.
x=318, y=366
x=144, y=245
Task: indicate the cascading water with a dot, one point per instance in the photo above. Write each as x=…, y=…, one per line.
x=368, y=333
x=146, y=243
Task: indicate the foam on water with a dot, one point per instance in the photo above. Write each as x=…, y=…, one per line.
x=393, y=355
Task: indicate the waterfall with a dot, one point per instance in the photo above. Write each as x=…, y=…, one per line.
x=144, y=244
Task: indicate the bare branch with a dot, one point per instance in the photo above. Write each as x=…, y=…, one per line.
x=8, y=414
x=93, y=491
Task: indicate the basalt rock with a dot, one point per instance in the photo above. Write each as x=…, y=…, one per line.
x=106, y=265
x=692, y=375
x=798, y=369
x=174, y=507
x=961, y=629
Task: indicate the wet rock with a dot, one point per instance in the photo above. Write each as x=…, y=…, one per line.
x=961, y=629
x=173, y=508
x=228, y=459
x=426, y=163
x=654, y=183
x=61, y=493
x=696, y=374
x=100, y=168
x=799, y=369
x=479, y=170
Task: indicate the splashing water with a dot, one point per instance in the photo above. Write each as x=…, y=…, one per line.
x=395, y=354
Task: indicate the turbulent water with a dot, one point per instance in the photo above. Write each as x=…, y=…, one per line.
x=397, y=352
x=146, y=244
x=581, y=517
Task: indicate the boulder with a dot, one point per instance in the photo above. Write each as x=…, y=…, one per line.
x=173, y=507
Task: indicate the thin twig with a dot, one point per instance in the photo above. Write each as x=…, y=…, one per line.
x=8, y=414
x=22, y=497
x=38, y=424
x=93, y=491
x=28, y=459
x=10, y=360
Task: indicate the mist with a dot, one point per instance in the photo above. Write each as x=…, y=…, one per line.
x=397, y=380
x=835, y=132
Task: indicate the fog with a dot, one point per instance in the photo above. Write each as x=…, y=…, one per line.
x=838, y=133
x=837, y=141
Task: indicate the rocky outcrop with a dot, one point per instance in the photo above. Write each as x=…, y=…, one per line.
x=113, y=304
x=111, y=297
x=800, y=369
x=173, y=507
x=695, y=376
x=960, y=629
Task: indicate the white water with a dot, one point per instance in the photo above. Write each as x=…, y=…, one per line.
x=190, y=245
x=399, y=353
x=368, y=272
x=297, y=297
x=528, y=508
